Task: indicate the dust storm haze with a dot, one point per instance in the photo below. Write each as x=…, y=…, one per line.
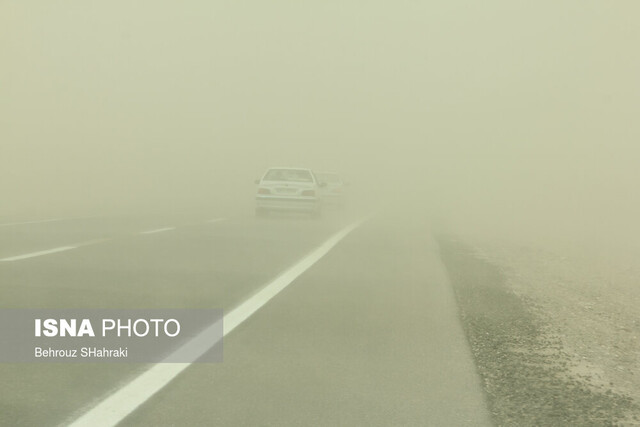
x=481, y=267
x=497, y=117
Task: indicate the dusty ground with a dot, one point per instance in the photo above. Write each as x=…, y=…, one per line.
x=555, y=337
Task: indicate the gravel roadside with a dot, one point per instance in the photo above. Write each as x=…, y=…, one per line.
x=528, y=374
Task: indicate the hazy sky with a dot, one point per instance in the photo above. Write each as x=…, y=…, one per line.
x=474, y=105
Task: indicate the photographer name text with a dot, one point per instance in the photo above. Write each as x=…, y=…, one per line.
x=84, y=352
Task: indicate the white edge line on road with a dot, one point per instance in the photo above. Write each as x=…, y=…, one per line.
x=157, y=230
x=35, y=254
x=123, y=401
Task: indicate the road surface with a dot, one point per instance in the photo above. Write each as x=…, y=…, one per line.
x=368, y=334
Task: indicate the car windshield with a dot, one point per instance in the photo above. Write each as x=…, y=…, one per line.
x=292, y=175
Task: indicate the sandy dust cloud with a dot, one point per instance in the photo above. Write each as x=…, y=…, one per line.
x=498, y=117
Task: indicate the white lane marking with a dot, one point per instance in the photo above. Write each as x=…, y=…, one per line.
x=87, y=243
x=157, y=230
x=30, y=222
x=216, y=220
x=35, y=254
x=125, y=400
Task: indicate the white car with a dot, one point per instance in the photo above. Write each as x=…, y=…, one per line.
x=333, y=188
x=288, y=190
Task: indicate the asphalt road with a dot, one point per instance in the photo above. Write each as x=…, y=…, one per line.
x=368, y=335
